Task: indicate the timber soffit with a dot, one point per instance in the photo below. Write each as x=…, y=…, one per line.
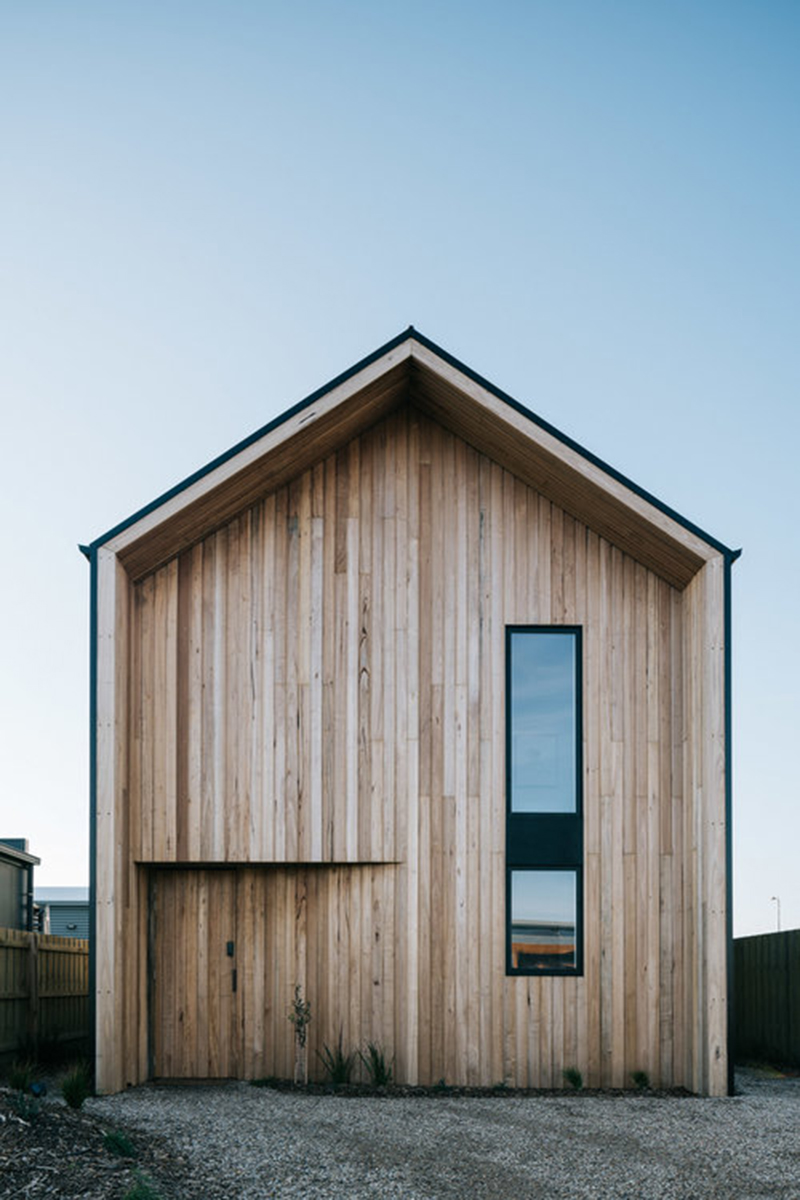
x=410, y=366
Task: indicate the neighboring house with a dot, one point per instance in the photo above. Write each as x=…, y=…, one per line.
x=409, y=700
x=16, y=883
x=64, y=911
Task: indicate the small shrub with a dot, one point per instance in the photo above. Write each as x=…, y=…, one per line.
x=143, y=1189
x=641, y=1080
x=573, y=1077
x=26, y=1107
x=117, y=1142
x=20, y=1075
x=378, y=1069
x=300, y=1017
x=76, y=1085
x=338, y=1065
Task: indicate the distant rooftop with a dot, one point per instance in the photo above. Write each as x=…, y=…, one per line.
x=51, y=895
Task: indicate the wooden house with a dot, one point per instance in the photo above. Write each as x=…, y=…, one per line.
x=16, y=883
x=411, y=701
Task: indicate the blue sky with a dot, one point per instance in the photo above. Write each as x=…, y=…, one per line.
x=208, y=210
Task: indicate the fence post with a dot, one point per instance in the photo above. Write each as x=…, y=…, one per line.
x=33, y=994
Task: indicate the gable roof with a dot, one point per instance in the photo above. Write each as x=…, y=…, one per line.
x=411, y=368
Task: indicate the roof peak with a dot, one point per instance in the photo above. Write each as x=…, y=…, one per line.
x=461, y=399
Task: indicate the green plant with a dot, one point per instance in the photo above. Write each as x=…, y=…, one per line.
x=641, y=1080
x=117, y=1142
x=26, y=1107
x=338, y=1065
x=143, y=1189
x=76, y=1086
x=20, y=1075
x=300, y=1017
x=573, y=1077
x=378, y=1069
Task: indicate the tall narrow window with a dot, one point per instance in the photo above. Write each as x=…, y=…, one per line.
x=543, y=719
x=544, y=825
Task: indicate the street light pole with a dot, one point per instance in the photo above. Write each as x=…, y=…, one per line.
x=777, y=900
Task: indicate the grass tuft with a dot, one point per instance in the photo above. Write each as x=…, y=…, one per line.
x=641, y=1080
x=143, y=1189
x=117, y=1142
x=379, y=1070
x=573, y=1077
x=338, y=1065
x=20, y=1075
x=76, y=1086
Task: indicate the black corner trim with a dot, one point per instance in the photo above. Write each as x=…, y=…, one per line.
x=93, y=806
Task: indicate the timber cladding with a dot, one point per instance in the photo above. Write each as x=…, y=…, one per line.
x=302, y=717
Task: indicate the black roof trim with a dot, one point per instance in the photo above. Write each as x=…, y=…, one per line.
x=576, y=446
x=254, y=437
x=411, y=332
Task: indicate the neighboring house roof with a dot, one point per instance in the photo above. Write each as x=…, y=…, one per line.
x=15, y=850
x=61, y=895
x=411, y=368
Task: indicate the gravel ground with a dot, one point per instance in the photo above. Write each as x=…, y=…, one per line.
x=240, y=1141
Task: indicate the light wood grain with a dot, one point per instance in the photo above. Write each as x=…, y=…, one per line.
x=316, y=695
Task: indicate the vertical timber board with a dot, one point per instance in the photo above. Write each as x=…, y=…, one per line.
x=705, y=986
x=590, y=618
x=111, y=742
x=693, y=761
x=411, y=748
x=714, y=882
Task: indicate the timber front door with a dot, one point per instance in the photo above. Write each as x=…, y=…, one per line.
x=195, y=1027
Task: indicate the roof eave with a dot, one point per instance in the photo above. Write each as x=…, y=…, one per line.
x=21, y=857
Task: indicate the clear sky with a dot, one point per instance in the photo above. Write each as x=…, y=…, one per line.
x=209, y=209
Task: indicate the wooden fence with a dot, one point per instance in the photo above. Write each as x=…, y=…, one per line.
x=767, y=997
x=44, y=990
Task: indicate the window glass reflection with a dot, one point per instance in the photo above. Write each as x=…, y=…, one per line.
x=543, y=727
x=543, y=920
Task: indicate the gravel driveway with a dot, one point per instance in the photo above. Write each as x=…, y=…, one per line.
x=240, y=1141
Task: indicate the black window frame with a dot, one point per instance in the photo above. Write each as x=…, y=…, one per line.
x=546, y=841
